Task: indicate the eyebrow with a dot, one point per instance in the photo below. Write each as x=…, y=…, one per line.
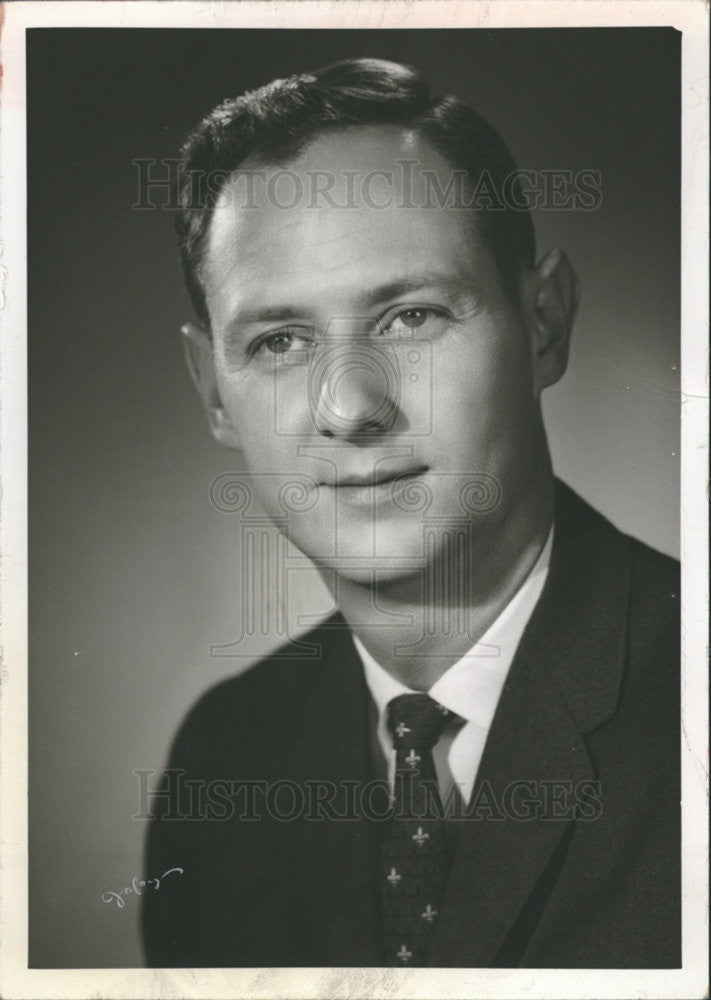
x=395, y=289
x=383, y=293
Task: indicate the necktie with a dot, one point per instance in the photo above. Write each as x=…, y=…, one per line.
x=414, y=852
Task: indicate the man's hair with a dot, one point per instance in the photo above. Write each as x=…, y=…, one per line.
x=273, y=124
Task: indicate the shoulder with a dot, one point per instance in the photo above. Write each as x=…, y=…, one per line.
x=653, y=575
x=622, y=586
x=242, y=714
x=640, y=590
x=655, y=619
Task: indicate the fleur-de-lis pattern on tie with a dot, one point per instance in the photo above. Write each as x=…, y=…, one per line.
x=414, y=862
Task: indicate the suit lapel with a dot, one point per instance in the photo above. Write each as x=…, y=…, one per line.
x=564, y=682
x=339, y=853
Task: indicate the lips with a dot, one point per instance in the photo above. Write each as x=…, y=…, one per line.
x=375, y=477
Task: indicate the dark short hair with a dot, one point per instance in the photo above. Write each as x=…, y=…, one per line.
x=272, y=124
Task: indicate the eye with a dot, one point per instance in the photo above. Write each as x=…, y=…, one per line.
x=279, y=343
x=413, y=318
x=283, y=342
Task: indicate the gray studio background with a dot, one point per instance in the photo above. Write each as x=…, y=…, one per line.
x=134, y=575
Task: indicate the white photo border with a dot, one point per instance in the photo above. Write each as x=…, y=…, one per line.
x=17, y=981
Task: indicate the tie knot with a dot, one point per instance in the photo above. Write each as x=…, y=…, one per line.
x=416, y=720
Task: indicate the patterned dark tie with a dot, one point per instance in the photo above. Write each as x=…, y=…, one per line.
x=414, y=861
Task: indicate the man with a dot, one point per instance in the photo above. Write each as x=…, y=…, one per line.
x=475, y=762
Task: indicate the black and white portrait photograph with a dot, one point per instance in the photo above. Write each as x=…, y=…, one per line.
x=354, y=500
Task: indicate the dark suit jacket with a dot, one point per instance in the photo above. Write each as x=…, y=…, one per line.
x=592, y=696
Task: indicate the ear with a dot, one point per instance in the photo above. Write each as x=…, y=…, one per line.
x=550, y=301
x=200, y=359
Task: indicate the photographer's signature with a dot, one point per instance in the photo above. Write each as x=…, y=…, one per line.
x=136, y=888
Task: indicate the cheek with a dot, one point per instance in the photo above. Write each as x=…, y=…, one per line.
x=261, y=387
x=268, y=414
x=483, y=381
x=485, y=360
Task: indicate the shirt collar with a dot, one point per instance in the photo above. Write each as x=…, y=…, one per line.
x=470, y=687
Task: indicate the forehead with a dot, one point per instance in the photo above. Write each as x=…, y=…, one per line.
x=357, y=205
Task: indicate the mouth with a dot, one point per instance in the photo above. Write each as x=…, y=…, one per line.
x=374, y=486
x=375, y=478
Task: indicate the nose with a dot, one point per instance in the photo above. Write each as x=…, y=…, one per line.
x=353, y=390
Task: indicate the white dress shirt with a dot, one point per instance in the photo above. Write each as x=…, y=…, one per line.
x=471, y=687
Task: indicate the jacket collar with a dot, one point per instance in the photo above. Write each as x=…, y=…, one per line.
x=563, y=683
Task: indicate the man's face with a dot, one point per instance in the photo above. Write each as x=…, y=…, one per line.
x=369, y=355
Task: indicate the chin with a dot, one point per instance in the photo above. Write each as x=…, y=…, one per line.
x=395, y=548
x=366, y=575
x=361, y=556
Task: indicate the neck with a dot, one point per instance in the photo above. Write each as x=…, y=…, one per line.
x=416, y=627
